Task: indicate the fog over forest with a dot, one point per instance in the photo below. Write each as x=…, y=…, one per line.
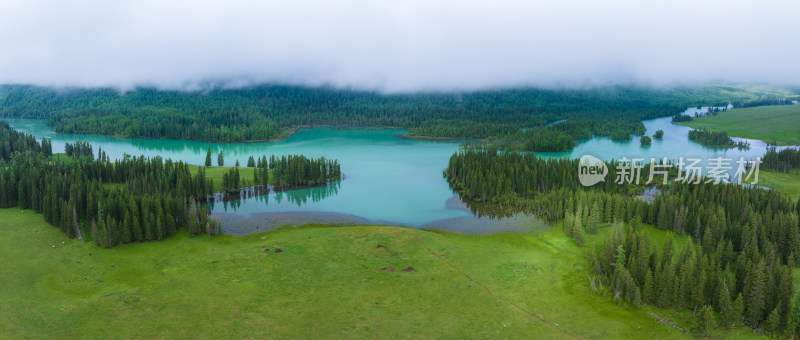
x=397, y=46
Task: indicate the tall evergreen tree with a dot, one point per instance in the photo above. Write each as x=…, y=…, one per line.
x=726, y=312
x=705, y=321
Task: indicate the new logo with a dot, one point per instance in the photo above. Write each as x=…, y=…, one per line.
x=591, y=170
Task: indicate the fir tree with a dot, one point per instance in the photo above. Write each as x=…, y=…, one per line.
x=738, y=309
x=578, y=236
x=208, y=157
x=755, y=290
x=705, y=321
x=726, y=312
x=790, y=331
x=773, y=321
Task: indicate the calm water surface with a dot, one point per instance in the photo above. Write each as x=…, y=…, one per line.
x=388, y=180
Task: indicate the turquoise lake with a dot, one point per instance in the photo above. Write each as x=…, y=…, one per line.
x=388, y=180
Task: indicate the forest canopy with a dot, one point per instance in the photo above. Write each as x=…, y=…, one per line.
x=517, y=117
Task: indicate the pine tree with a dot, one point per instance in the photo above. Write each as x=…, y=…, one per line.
x=594, y=218
x=773, y=320
x=790, y=331
x=208, y=157
x=649, y=288
x=126, y=228
x=738, y=309
x=783, y=295
x=220, y=159
x=795, y=314
x=755, y=290
x=724, y=306
x=708, y=241
x=705, y=321
x=578, y=236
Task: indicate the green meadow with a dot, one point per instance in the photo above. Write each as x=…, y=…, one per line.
x=325, y=282
x=785, y=182
x=215, y=173
x=780, y=123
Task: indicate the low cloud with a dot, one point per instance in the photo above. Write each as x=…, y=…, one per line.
x=397, y=46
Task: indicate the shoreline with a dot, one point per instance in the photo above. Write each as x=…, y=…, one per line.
x=288, y=133
x=407, y=136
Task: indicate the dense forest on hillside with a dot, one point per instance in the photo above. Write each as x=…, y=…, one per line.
x=271, y=112
x=128, y=200
x=735, y=266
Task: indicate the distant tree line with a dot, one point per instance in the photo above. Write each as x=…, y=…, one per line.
x=713, y=111
x=269, y=112
x=677, y=118
x=762, y=102
x=784, y=161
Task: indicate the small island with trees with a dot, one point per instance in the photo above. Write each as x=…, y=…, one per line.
x=716, y=138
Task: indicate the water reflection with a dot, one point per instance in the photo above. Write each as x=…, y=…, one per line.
x=263, y=195
x=482, y=218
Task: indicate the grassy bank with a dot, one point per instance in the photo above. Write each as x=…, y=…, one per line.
x=786, y=183
x=327, y=282
x=767, y=123
x=215, y=174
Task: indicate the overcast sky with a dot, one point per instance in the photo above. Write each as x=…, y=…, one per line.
x=398, y=45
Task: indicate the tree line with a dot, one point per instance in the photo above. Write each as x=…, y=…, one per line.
x=715, y=138
x=128, y=200
x=734, y=264
x=14, y=141
x=283, y=172
x=272, y=112
x=784, y=161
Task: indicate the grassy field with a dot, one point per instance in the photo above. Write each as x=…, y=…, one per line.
x=766, y=123
x=326, y=283
x=786, y=183
x=215, y=174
